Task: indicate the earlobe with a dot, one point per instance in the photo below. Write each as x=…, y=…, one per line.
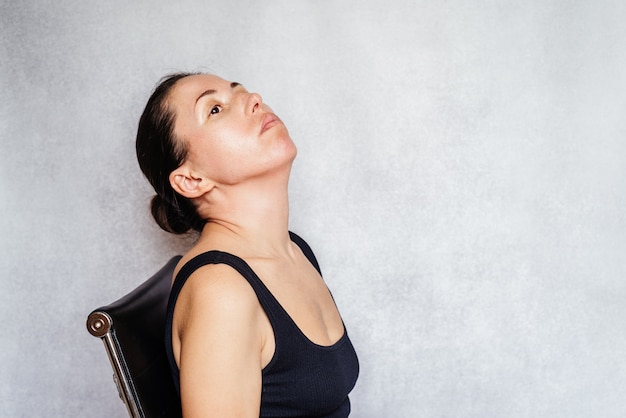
x=187, y=184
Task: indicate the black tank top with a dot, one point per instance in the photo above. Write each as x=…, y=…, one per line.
x=303, y=379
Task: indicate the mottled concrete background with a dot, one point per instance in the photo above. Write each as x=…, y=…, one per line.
x=461, y=176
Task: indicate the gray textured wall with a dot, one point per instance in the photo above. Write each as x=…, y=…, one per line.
x=461, y=176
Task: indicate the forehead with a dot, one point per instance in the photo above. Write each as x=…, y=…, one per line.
x=189, y=88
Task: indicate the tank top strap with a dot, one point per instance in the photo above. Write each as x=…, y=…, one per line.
x=219, y=257
x=267, y=300
x=306, y=250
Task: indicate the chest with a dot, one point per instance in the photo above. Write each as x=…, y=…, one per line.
x=306, y=380
x=303, y=295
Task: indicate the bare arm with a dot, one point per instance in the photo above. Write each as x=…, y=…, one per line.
x=217, y=318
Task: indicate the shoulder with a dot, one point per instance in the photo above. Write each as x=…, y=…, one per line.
x=215, y=295
x=217, y=307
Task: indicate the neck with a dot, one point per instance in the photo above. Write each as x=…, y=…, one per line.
x=251, y=216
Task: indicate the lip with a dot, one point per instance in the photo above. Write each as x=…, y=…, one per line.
x=269, y=120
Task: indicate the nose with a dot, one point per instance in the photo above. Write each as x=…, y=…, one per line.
x=254, y=103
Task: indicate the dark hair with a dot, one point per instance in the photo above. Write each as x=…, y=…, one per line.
x=159, y=153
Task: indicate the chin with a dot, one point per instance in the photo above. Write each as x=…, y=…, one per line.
x=289, y=147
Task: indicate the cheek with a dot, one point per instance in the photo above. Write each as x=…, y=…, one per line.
x=222, y=158
x=234, y=137
x=221, y=143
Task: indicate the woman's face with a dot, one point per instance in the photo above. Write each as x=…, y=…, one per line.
x=230, y=134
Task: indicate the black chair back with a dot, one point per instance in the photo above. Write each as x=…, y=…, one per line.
x=132, y=329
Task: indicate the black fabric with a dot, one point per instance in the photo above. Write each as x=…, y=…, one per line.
x=303, y=379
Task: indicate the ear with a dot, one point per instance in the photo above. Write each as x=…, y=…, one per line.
x=188, y=184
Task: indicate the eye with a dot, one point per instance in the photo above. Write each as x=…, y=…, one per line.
x=215, y=110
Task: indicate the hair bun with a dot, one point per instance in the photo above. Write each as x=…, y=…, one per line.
x=177, y=216
x=167, y=216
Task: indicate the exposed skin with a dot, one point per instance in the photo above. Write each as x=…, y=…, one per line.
x=237, y=173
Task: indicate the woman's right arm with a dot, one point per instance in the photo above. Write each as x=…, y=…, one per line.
x=217, y=318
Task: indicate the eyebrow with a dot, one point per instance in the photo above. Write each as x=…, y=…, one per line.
x=213, y=91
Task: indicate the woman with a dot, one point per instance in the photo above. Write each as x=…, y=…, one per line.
x=252, y=329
